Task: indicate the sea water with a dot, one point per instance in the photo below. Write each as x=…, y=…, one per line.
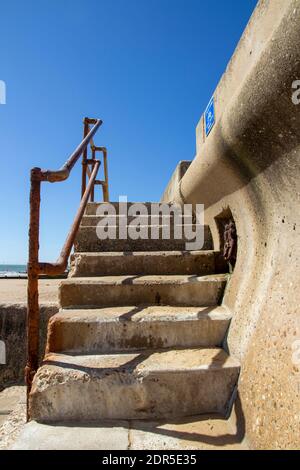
x=13, y=270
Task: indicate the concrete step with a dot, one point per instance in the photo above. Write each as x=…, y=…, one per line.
x=203, y=432
x=144, y=262
x=141, y=385
x=93, y=220
x=110, y=329
x=140, y=290
x=91, y=208
x=87, y=240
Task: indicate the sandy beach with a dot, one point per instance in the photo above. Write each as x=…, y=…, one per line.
x=14, y=291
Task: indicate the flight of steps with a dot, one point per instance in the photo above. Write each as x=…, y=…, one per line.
x=139, y=334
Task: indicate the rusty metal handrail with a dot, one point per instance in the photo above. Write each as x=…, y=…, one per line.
x=64, y=172
x=34, y=267
x=62, y=262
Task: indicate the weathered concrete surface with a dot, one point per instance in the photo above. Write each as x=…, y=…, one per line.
x=141, y=262
x=92, y=207
x=12, y=414
x=105, y=436
x=148, y=384
x=205, y=432
x=161, y=219
x=13, y=294
x=200, y=433
x=122, y=328
x=170, y=191
x=162, y=232
x=151, y=354
x=140, y=290
x=13, y=333
x=249, y=163
x=88, y=240
x=9, y=399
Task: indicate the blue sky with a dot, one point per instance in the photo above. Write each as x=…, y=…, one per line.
x=147, y=68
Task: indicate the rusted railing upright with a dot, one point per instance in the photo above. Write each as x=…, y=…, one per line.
x=35, y=268
x=33, y=274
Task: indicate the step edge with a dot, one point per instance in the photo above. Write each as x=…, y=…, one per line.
x=154, y=319
x=187, y=253
x=96, y=280
x=230, y=361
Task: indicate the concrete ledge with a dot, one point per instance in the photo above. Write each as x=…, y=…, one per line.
x=130, y=328
x=144, y=262
x=200, y=291
x=153, y=384
x=172, y=187
x=87, y=240
x=91, y=208
x=13, y=333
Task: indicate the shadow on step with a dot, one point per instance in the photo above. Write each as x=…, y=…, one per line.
x=130, y=279
x=203, y=311
x=131, y=313
x=179, y=429
x=127, y=367
x=129, y=364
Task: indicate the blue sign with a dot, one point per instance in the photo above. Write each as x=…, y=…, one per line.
x=209, y=117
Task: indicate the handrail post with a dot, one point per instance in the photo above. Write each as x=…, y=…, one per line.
x=105, y=192
x=84, y=157
x=105, y=182
x=32, y=289
x=92, y=199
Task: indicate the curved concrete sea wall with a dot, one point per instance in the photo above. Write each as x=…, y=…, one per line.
x=248, y=167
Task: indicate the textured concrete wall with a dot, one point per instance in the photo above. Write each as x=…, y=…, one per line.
x=13, y=333
x=170, y=191
x=250, y=163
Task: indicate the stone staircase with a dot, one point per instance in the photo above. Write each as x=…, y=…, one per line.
x=139, y=334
